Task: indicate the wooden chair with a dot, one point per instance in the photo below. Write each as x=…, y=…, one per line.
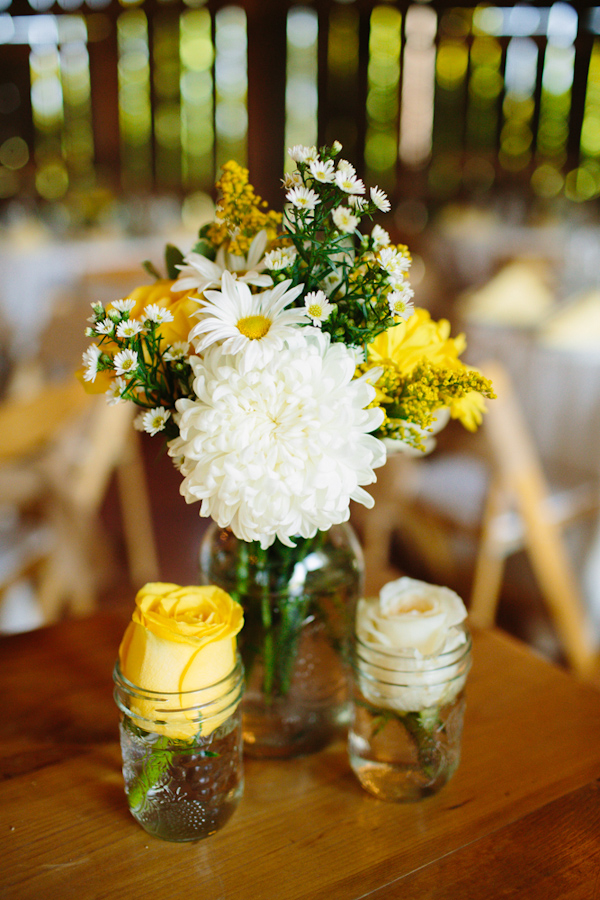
x=512, y=508
x=58, y=452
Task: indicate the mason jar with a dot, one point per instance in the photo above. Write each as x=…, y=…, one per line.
x=407, y=718
x=182, y=755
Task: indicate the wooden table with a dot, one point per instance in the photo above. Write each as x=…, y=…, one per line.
x=521, y=818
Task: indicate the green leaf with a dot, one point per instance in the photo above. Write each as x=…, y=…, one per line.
x=204, y=248
x=151, y=269
x=173, y=258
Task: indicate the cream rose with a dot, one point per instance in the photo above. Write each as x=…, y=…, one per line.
x=181, y=640
x=412, y=646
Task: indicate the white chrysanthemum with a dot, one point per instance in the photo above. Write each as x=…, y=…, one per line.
x=129, y=328
x=400, y=301
x=281, y=258
x=322, y=170
x=380, y=237
x=379, y=198
x=122, y=306
x=157, y=314
x=199, y=273
x=348, y=182
x=155, y=419
x=91, y=357
x=345, y=166
x=303, y=198
x=292, y=179
x=254, y=325
x=318, y=307
x=177, y=350
x=125, y=361
x=279, y=450
x=344, y=220
x=114, y=394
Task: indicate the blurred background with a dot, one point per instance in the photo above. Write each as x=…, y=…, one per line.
x=482, y=123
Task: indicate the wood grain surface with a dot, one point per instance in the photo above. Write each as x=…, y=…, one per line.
x=519, y=819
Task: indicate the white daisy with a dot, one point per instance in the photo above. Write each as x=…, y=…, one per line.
x=303, y=198
x=114, y=393
x=253, y=325
x=106, y=326
x=125, y=361
x=322, y=171
x=199, y=273
x=344, y=220
x=317, y=307
x=292, y=179
x=122, y=306
x=268, y=451
x=91, y=357
x=379, y=198
x=155, y=419
x=129, y=328
x=400, y=301
x=348, y=182
x=158, y=314
x=380, y=237
x=280, y=259
x=177, y=350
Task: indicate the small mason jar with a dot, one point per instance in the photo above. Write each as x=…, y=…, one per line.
x=405, y=736
x=182, y=755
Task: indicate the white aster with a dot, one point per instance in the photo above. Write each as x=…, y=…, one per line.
x=379, y=198
x=253, y=325
x=303, y=198
x=345, y=166
x=91, y=357
x=317, y=307
x=344, y=220
x=400, y=301
x=106, y=326
x=281, y=258
x=292, y=179
x=322, y=170
x=157, y=314
x=129, y=328
x=278, y=450
x=199, y=273
x=177, y=350
x=393, y=261
x=114, y=394
x=380, y=237
x=301, y=154
x=122, y=306
x=155, y=419
x=125, y=361
x=348, y=182
x=359, y=203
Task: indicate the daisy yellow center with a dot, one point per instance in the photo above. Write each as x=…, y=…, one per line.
x=315, y=309
x=254, y=327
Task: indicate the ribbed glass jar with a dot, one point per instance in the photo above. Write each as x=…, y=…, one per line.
x=299, y=607
x=182, y=755
x=407, y=718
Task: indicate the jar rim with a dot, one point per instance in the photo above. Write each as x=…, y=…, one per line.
x=428, y=661
x=134, y=690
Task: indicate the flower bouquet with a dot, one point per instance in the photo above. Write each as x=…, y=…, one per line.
x=281, y=359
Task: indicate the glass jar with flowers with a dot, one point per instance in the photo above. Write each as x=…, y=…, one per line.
x=178, y=685
x=281, y=359
x=412, y=654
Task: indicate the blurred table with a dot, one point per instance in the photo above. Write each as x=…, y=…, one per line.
x=520, y=818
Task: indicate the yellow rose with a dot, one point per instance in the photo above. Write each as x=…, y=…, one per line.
x=181, y=640
x=180, y=303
